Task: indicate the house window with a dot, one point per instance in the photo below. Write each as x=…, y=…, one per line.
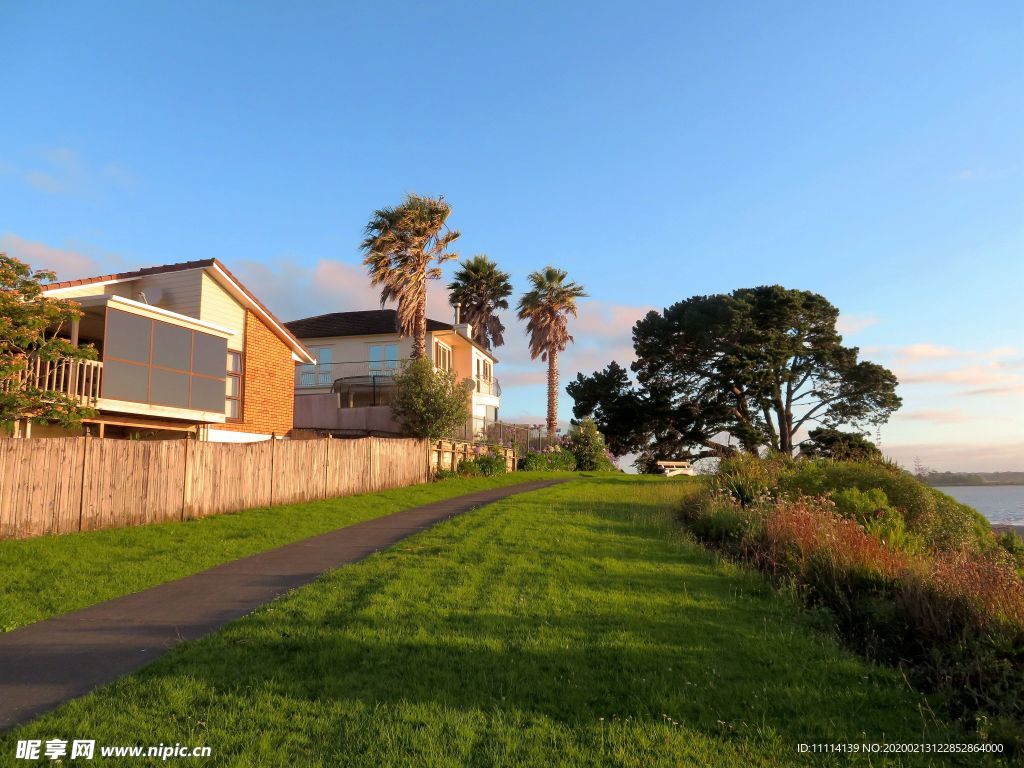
x=233, y=384
x=317, y=374
x=442, y=356
x=483, y=369
x=383, y=359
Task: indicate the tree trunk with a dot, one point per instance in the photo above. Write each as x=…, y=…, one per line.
x=419, y=339
x=552, y=422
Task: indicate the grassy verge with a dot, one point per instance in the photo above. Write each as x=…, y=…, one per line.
x=47, y=576
x=569, y=626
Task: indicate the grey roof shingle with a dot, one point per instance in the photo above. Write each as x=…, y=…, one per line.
x=361, y=323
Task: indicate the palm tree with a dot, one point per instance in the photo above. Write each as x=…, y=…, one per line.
x=481, y=288
x=547, y=307
x=401, y=244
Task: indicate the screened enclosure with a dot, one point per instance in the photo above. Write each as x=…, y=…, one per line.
x=158, y=363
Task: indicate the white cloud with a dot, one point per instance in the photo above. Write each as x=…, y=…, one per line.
x=849, y=325
x=67, y=263
x=62, y=171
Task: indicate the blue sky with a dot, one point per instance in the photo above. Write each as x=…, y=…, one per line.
x=873, y=152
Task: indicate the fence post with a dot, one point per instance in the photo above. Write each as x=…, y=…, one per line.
x=187, y=479
x=81, y=500
x=371, y=484
x=327, y=465
x=272, y=452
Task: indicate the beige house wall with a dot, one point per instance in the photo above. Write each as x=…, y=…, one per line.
x=220, y=307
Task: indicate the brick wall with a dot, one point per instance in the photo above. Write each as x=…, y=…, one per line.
x=269, y=383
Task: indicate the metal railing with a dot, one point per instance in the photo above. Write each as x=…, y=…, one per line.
x=379, y=372
x=524, y=438
x=78, y=379
x=326, y=374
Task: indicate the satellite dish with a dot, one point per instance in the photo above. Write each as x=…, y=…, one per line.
x=152, y=295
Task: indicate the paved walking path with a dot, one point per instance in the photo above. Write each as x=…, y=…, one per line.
x=49, y=662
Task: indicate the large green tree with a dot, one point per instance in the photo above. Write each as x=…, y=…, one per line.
x=547, y=307
x=482, y=289
x=30, y=323
x=755, y=366
x=403, y=247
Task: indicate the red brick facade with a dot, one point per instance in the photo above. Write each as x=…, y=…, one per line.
x=268, y=385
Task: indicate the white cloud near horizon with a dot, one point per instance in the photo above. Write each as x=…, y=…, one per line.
x=68, y=263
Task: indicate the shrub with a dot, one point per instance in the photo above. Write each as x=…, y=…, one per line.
x=485, y=465
x=720, y=519
x=1014, y=547
x=427, y=402
x=939, y=520
x=444, y=474
x=951, y=613
x=748, y=479
x=587, y=445
x=549, y=461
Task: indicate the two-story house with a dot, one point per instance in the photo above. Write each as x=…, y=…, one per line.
x=347, y=390
x=183, y=348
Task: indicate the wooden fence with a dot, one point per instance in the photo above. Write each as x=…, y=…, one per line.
x=448, y=454
x=62, y=485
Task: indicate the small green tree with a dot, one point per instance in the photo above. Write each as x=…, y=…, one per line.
x=29, y=324
x=428, y=402
x=839, y=445
x=587, y=445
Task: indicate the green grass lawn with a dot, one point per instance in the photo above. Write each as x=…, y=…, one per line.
x=569, y=626
x=47, y=576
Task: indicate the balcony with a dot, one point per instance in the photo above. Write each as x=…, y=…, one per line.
x=487, y=386
x=81, y=380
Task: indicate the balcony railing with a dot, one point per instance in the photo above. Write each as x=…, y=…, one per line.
x=488, y=386
x=325, y=374
x=78, y=379
x=377, y=372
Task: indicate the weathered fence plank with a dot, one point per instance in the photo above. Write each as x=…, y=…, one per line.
x=60, y=485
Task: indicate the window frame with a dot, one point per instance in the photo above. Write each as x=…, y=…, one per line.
x=317, y=370
x=443, y=350
x=240, y=399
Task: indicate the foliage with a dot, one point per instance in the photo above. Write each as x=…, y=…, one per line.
x=940, y=521
x=401, y=245
x=482, y=289
x=758, y=364
x=486, y=464
x=905, y=581
x=587, y=445
x=29, y=324
x=503, y=637
x=547, y=307
x=427, y=402
x=554, y=460
x=1014, y=546
x=841, y=446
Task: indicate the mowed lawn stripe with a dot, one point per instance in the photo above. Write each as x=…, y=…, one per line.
x=569, y=626
x=48, y=576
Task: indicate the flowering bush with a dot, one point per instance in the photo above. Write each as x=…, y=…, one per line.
x=587, y=445
x=555, y=460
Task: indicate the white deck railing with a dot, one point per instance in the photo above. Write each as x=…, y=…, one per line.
x=79, y=379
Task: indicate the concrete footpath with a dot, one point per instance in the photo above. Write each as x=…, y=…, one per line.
x=49, y=662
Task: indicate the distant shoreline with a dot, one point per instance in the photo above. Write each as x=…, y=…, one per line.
x=973, y=485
